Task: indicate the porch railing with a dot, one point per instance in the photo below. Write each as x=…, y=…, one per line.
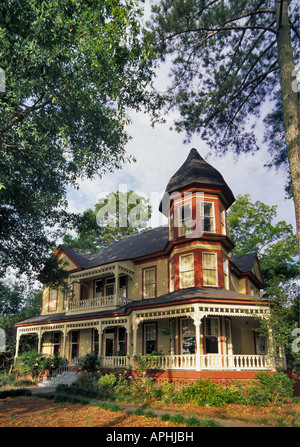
x=103, y=301
x=209, y=362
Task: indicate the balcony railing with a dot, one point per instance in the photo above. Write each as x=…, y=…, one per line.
x=98, y=302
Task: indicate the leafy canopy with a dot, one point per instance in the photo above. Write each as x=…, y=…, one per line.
x=73, y=70
x=117, y=215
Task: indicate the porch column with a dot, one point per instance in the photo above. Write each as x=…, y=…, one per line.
x=135, y=323
x=64, y=341
x=17, y=344
x=39, y=340
x=197, y=317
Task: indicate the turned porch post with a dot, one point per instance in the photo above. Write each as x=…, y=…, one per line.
x=197, y=317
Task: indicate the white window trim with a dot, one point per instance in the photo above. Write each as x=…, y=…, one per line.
x=216, y=264
x=182, y=230
x=226, y=273
x=172, y=278
x=192, y=269
x=213, y=216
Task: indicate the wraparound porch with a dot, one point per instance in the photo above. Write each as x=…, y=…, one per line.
x=191, y=337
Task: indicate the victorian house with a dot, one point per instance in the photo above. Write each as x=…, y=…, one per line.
x=173, y=290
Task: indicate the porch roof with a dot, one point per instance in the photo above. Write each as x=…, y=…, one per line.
x=198, y=294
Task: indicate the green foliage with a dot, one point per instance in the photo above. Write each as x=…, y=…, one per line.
x=90, y=362
x=273, y=388
x=107, y=382
x=145, y=362
x=73, y=70
x=114, y=217
x=251, y=227
x=223, y=66
x=14, y=393
x=34, y=364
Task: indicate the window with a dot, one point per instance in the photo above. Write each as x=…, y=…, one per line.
x=185, y=222
x=186, y=269
x=74, y=344
x=188, y=336
x=211, y=335
x=96, y=342
x=171, y=226
x=149, y=338
x=209, y=262
x=260, y=344
x=121, y=341
x=55, y=343
x=122, y=287
x=110, y=287
x=225, y=272
x=207, y=217
x=223, y=221
x=98, y=289
x=171, y=276
x=52, y=299
x=149, y=283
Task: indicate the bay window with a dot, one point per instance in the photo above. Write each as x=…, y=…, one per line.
x=207, y=217
x=209, y=262
x=186, y=271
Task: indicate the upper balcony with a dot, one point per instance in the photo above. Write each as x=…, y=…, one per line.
x=101, y=288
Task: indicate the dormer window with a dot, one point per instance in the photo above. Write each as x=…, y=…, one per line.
x=208, y=217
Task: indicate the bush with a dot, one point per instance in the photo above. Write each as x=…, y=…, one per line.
x=14, y=393
x=107, y=382
x=90, y=362
x=270, y=388
x=34, y=364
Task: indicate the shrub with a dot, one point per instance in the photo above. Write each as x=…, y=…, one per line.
x=270, y=388
x=90, y=362
x=107, y=382
x=14, y=393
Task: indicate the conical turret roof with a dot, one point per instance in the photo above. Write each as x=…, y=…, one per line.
x=195, y=171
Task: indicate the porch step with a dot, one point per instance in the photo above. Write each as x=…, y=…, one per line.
x=66, y=378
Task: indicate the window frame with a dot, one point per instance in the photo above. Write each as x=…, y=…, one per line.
x=183, y=229
x=152, y=283
x=181, y=272
x=204, y=216
x=210, y=269
x=145, y=340
x=52, y=303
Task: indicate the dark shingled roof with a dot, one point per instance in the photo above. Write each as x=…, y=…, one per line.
x=244, y=262
x=131, y=247
x=195, y=171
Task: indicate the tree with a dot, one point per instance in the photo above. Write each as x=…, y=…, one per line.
x=72, y=71
x=18, y=302
x=117, y=215
x=252, y=228
x=227, y=59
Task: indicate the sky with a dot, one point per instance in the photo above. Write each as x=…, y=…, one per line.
x=160, y=152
